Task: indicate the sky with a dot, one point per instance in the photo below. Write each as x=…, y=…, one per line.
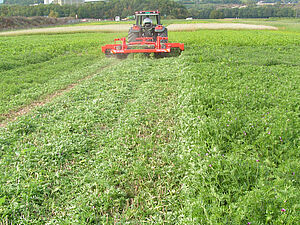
x=1, y=1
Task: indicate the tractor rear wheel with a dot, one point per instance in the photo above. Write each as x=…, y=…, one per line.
x=163, y=34
x=132, y=36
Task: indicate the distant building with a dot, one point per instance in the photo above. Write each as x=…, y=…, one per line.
x=66, y=2
x=87, y=1
x=47, y=2
x=238, y=6
x=69, y=2
x=262, y=3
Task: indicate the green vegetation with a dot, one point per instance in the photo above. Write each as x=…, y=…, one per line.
x=34, y=66
x=23, y=2
x=197, y=3
x=210, y=137
x=102, y=10
x=188, y=3
x=125, y=8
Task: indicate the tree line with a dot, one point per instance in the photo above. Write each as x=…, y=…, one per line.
x=248, y=12
x=99, y=10
x=124, y=8
x=190, y=3
x=199, y=2
x=23, y=2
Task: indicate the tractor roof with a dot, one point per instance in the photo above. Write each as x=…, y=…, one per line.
x=156, y=12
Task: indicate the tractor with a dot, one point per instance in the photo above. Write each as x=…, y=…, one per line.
x=147, y=25
x=146, y=36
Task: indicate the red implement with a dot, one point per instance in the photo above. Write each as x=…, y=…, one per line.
x=143, y=45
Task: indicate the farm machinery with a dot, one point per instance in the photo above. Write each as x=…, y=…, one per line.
x=146, y=36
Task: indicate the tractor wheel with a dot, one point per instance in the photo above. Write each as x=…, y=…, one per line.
x=158, y=55
x=175, y=52
x=121, y=56
x=132, y=37
x=163, y=34
x=108, y=54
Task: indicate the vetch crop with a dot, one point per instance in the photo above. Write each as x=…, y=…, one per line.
x=139, y=143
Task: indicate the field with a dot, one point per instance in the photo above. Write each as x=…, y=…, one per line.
x=210, y=137
x=124, y=27
x=9, y=23
x=173, y=25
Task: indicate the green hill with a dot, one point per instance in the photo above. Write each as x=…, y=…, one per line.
x=22, y=2
x=187, y=3
x=192, y=3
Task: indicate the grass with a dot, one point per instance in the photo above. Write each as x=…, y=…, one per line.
x=34, y=66
x=210, y=137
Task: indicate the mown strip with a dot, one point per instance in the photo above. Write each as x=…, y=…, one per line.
x=34, y=67
x=13, y=115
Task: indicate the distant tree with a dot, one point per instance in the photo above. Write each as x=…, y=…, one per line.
x=53, y=14
x=216, y=14
x=124, y=8
x=297, y=10
x=22, y=2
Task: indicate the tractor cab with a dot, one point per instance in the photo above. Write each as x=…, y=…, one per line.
x=142, y=16
x=147, y=24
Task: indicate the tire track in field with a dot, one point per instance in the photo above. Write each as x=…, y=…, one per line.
x=118, y=28
x=15, y=114
x=218, y=26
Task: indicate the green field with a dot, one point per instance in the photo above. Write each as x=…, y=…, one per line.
x=32, y=67
x=210, y=137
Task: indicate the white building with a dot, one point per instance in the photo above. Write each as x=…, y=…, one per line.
x=87, y=1
x=47, y=2
x=69, y=2
x=262, y=3
x=64, y=2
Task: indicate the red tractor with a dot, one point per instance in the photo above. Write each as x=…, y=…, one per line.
x=147, y=36
x=147, y=25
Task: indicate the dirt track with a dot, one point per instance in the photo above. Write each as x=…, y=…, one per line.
x=14, y=115
x=103, y=28
x=217, y=26
x=125, y=28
